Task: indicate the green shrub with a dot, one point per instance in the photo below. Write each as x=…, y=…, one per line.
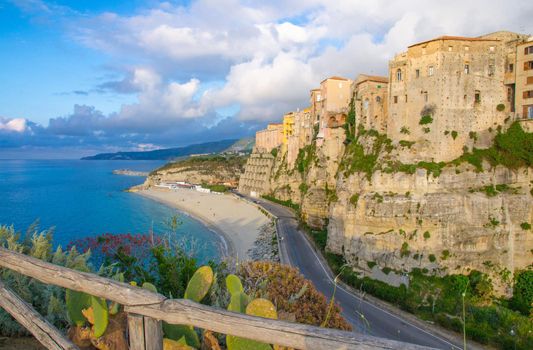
x=445, y=254
x=432, y=258
x=405, y=130
x=525, y=226
x=500, y=107
x=303, y=188
x=454, y=134
x=522, y=299
x=405, y=143
x=371, y=264
x=274, y=152
x=354, y=199
x=427, y=235
x=426, y=119
x=404, y=250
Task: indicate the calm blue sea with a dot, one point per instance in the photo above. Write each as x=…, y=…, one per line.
x=83, y=198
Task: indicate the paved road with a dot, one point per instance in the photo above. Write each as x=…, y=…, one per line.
x=365, y=317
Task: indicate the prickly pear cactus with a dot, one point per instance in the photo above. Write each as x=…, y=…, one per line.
x=262, y=307
x=177, y=332
x=233, y=284
x=199, y=284
x=238, y=302
x=169, y=344
x=150, y=287
x=76, y=302
x=100, y=315
x=257, y=307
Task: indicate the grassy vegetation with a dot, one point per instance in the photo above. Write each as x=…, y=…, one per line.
x=216, y=188
x=287, y=203
x=208, y=164
x=426, y=119
x=305, y=158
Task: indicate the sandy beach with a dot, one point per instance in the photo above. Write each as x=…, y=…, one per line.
x=237, y=221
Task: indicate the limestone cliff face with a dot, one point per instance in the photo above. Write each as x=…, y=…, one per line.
x=446, y=224
x=312, y=180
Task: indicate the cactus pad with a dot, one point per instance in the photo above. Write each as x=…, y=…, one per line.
x=150, y=287
x=199, y=284
x=76, y=302
x=233, y=284
x=178, y=332
x=261, y=307
x=101, y=316
x=238, y=302
x=236, y=343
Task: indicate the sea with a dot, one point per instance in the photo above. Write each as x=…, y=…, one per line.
x=82, y=198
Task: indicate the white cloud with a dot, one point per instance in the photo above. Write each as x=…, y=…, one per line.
x=14, y=125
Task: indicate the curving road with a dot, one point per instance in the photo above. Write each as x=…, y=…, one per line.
x=364, y=316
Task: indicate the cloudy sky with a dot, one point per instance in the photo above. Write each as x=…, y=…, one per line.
x=84, y=76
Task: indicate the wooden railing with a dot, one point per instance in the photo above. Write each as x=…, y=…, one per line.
x=146, y=310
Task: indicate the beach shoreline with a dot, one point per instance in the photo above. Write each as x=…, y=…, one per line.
x=236, y=222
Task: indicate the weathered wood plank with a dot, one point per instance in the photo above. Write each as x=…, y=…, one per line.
x=26, y=315
x=89, y=283
x=136, y=332
x=284, y=333
x=153, y=334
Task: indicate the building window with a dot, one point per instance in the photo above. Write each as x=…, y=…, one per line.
x=528, y=65
x=509, y=94
x=405, y=98
x=317, y=98
x=528, y=50
x=365, y=104
x=477, y=96
x=417, y=73
x=430, y=71
x=467, y=48
x=529, y=80
x=529, y=112
x=510, y=68
x=491, y=70
x=378, y=99
x=399, y=75
x=395, y=99
x=491, y=49
x=528, y=94
x=426, y=97
x=467, y=69
x=450, y=48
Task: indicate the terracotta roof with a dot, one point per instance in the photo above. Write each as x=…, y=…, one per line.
x=448, y=37
x=335, y=78
x=363, y=77
x=317, y=89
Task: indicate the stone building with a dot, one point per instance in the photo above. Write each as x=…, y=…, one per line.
x=288, y=128
x=446, y=91
x=269, y=138
x=302, y=135
x=329, y=104
x=371, y=102
x=524, y=80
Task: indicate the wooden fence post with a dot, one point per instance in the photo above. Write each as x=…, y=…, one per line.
x=145, y=333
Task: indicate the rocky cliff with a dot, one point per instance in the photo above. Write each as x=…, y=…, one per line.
x=382, y=215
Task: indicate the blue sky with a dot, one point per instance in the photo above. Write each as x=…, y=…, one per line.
x=79, y=77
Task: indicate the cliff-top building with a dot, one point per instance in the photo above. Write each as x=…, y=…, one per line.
x=446, y=91
x=330, y=103
x=371, y=102
x=269, y=138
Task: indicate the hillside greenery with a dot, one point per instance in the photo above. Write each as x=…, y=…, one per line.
x=231, y=164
